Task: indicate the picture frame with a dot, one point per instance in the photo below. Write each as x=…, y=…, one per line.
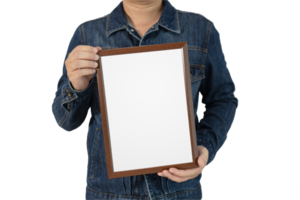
x=146, y=109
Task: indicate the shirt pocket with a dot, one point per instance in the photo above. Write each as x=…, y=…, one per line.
x=196, y=61
x=197, y=72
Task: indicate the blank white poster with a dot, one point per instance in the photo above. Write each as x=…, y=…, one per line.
x=147, y=109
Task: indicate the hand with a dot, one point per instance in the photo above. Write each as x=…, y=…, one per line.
x=81, y=64
x=179, y=175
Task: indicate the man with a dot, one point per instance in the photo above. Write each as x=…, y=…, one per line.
x=138, y=23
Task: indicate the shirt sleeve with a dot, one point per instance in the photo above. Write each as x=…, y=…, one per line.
x=70, y=106
x=217, y=89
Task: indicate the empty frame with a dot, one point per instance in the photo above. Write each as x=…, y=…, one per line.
x=146, y=109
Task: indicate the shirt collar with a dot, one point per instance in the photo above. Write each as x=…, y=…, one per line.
x=168, y=19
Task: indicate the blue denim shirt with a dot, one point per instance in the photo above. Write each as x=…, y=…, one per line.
x=210, y=77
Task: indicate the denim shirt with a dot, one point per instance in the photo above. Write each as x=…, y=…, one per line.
x=210, y=77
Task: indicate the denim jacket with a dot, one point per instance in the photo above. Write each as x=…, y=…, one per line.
x=209, y=76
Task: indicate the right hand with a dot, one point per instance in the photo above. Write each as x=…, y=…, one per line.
x=80, y=65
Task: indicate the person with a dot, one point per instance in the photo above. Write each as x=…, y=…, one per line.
x=139, y=23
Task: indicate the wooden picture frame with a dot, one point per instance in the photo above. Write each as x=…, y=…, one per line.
x=146, y=109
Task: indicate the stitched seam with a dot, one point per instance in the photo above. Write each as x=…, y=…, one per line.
x=115, y=194
x=81, y=34
x=177, y=20
x=107, y=25
x=207, y=33
x=95, y=147
x=116, y=29
x=107, y=34
x=180, y=192
x=64, y=102
x=169, y=29
x=62, y=120
x=197, y=48
x=148, y=187
x=198, y=78
x=69, y=99
x=206, y=40
x=95, y=99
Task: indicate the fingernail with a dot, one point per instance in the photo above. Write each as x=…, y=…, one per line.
x=96, y=57
x=95, y=50
x=95, y=64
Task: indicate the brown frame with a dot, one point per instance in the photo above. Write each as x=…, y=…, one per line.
x=128, y=50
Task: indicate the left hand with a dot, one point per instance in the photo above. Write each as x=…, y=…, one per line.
x=181, y=175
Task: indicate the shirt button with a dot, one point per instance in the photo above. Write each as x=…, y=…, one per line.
x=68, y=93
x=152, y=27
x=132, y=30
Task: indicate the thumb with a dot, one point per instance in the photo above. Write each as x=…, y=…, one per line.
x=201, y=161
x=99, y=48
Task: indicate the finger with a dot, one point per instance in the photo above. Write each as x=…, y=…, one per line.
x=83, y=55
x=99, y=48
x=174, y=177
x=85, y=48
x=78, y=64
x=203, y=156
x=185, y=172
x=201, y=162
x=84, y=72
